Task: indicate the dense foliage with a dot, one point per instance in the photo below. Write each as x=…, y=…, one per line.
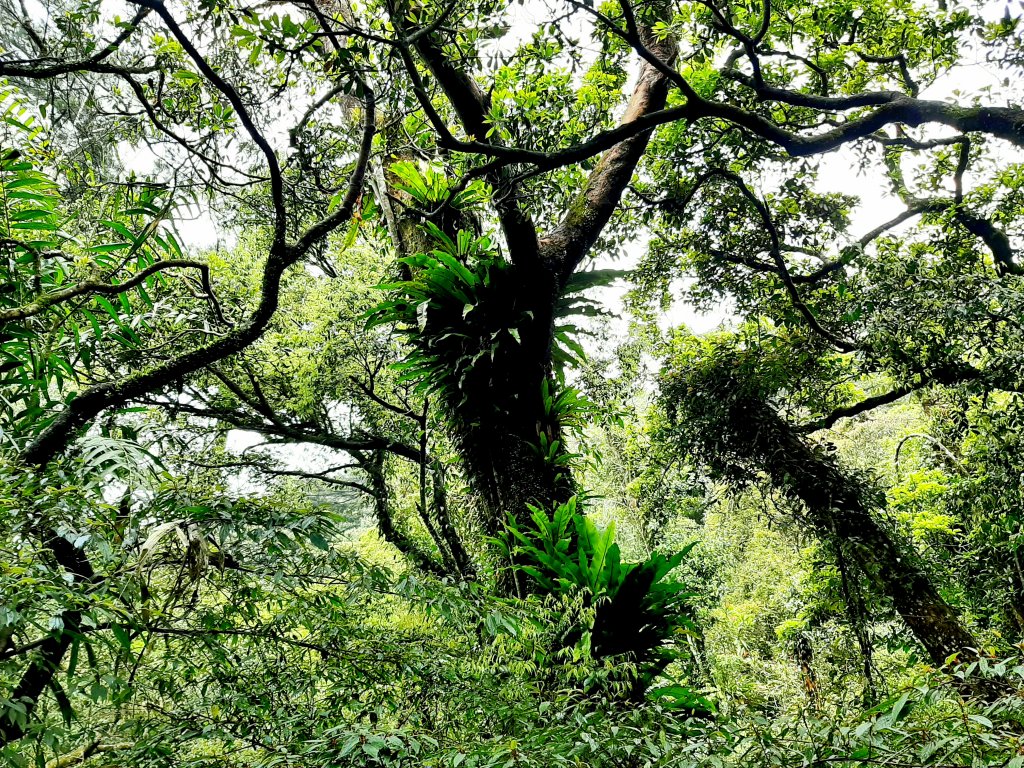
x=348, y=417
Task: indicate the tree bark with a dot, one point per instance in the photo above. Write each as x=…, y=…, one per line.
x=500, y=429
x=373, y=465
x=837, y=505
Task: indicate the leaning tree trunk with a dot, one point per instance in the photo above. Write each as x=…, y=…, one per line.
x=738, y=432
x=838, y=503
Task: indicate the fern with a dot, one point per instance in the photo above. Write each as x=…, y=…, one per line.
x=430, y=187
x=455, y=312
x=638, y=612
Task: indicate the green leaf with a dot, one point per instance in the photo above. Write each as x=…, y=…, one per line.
x=123, y=636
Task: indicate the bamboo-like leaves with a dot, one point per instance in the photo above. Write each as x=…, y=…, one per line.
x=65, y=320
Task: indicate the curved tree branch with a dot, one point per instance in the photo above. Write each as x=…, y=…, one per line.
x=472, y=106
x=55, y=437
x=948, y=375
x=865, y=405
x=231, y=94
x=92, y=401
x=566, y=245
x=45, y=68
x=995, y=239
x=892, y=108
x=90, y=287
x=781, y=269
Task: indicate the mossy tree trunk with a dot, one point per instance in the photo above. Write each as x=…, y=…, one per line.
x=499, y=429
x=837, y=506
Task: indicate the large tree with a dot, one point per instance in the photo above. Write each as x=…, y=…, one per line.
x=702, y=124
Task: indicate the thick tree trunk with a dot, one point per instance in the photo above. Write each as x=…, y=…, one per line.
x=499, y=430
x=507, y=425
x=506, y=462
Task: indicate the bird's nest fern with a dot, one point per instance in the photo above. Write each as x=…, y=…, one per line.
x=459, y=313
